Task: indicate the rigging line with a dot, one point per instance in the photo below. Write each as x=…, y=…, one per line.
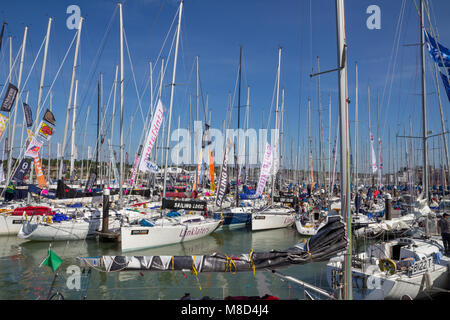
x=12, y=68
x=141, y=140
x=396, y=49
x=98, y=55
x=60, y=67
x=134, y=77
x=148, y=38
x=162, y=47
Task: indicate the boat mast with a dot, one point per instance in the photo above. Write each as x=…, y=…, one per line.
x=72, y=147
x=237, y=149
x=75, y=58
x=345, y=150
x=172, y=91
x=16, y=106
x=424, y=105
x=356, y=129
x=112, y=124
x=275, y=152
x=84, y=144
x=121, y=107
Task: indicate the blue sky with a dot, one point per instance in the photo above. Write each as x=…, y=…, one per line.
x=214, y=30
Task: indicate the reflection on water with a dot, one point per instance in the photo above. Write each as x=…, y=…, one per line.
x=21, y=276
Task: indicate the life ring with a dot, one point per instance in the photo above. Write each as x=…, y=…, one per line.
x=387, y=265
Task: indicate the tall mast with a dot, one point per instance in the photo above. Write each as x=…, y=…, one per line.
x=345, y=150
x=320, y=176
x=112, y=123
x=72, y=149
x=49, y=144
x=75, y=59
x=44, y=63
x=282, y=136
x=311, y=173
x=121, y=106
x=84, y=144
x=424, y=104
x=239, y=126
x=246, y=140
x=17, y=102
x=276, y=153
x=356, y=128
x=172, y=91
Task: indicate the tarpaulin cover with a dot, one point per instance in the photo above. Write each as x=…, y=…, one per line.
x=329, y=240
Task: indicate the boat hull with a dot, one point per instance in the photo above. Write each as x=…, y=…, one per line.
x=58, y=231
x=140, y=237
x=10, y=225
x=267, y=221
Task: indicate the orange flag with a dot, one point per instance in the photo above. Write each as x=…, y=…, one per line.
x=211, y=170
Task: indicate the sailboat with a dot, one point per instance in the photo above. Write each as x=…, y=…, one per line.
x=405, y=268
x=273, y=216
x=173, y=227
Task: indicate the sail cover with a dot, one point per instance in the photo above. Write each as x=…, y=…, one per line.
x=328, y=241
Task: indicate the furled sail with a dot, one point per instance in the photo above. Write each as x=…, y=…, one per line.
x=328, y=241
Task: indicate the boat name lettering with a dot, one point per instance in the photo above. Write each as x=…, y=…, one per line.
x=138, y=232
x=420, y=266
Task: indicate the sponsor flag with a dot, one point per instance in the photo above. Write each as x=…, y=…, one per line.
x=10, y=97
x=49, y=117
x=34, y=147
x=211, y=170
x=45, y=131
x=374, y=158
x=152, y=135
x=28, y=115
x=3, y=121
x=223, y=179
x=265, y=170
x=22, y=171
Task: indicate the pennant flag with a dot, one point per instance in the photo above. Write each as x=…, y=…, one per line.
x=374, y=158
x=45, y=131
x=446, y=83
x=211, y=170
x=33, y=148
x=52, y=260
x=22, y=171
x=265, y=170
x=3, y=121
x=439, y=53
x=28, y=115
x=91, y=181
x=136, y=164
x=223, y=180
x=152, y=135
x=10, y=97
x=2, y=173
x=42, y=183
x=49, y=117
x=206, y=138
x=199, y=171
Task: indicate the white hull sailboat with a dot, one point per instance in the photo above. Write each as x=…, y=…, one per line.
x=165, y=231
x=399, y=269
x=273, y=218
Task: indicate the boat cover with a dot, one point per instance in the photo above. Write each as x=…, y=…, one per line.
x=329, y=240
